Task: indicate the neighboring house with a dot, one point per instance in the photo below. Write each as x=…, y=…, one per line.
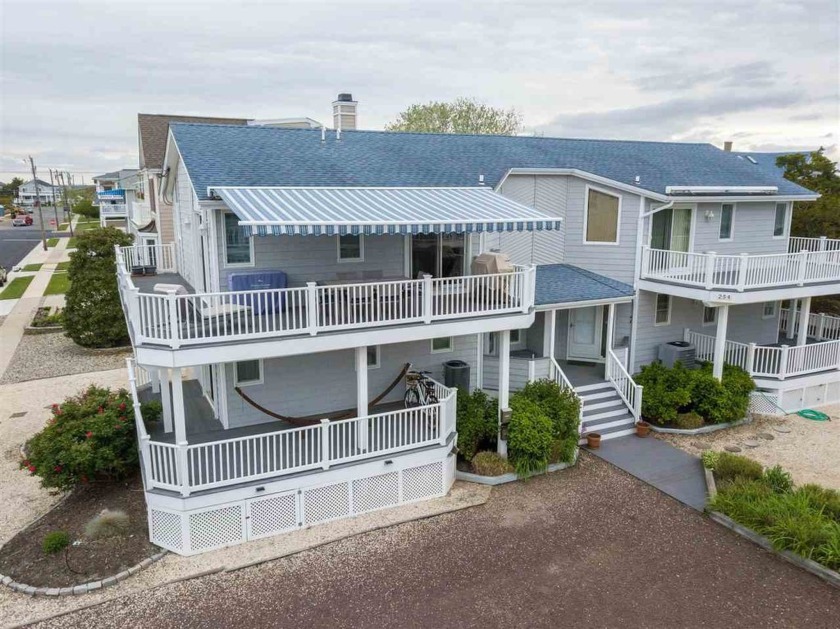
x=309, y=267
x=27, y=195
x=117, y=194
x=151, y=220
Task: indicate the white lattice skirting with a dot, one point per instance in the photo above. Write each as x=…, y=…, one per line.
x=793, y=398
x=200, y=530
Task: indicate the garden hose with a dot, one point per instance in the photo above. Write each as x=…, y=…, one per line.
x=807, y=413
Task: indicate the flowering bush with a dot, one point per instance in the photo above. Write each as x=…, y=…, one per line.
x=90, y=437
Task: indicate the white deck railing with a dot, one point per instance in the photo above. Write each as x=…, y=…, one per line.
x=742, y=272
x=176, y=320
x=557, y=374
x=821, y=327
x=230, y=461
x=628, y=390
x=797, y=244
x=771, y=362
x=112, y=210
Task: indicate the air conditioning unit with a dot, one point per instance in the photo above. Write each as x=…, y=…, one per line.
x=682, y=351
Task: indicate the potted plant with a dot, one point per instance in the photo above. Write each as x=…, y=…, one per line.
x=593, y=440
x=642, y=428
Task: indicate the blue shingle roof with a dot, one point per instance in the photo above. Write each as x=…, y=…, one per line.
x=767, y=160
x=563, y=283
x=224, y=155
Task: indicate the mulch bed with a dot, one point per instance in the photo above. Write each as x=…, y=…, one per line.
x=23, y=559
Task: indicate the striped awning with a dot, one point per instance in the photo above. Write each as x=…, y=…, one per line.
x=116, y=193
x=376, y=211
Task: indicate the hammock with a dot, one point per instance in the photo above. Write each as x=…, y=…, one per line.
x=313, y=419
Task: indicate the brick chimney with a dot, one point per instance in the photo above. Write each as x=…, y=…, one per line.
x=344, y=112
x=727, y=146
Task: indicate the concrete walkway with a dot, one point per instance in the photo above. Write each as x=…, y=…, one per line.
x=659, y=464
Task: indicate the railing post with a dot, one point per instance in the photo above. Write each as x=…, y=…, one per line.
x=325, y=444
x=312, y=307
x=783, y=361
x=742, y=272
x=823, y=243
x=645, y=262
x=427, y=298
x=174, y=324
x=686, y=335
x=710, y=270
x=803, y=266
x=821, y=327
x=751, y=358
x=608, y=365
x=637, y=402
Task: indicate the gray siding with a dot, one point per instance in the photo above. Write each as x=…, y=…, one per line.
x=752, y=232
x=320, y=383
x=746, y=325
x=184, y=204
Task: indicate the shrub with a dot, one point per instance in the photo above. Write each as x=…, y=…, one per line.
x=93, y=316
x=562, y=407
x=826, y=500
x=84, y=207
x=710, y=459
x=730, y=467
x=107, y=524
x=724, y=401
x=89, y=437
x=55, y=541
x=530, y=436
x=152, y=411
x=688, y=421
x=666, y=392
x=476, y=422
x=490, y=464
x=778, y=479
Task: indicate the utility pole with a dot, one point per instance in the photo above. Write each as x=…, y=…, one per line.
x=68, y=210
x=55, y=203
x=38, y=201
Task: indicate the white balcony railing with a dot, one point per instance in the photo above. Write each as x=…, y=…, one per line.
x=821, y=327
x=112, y=210
x=628, y=390
x=230, y=461
x=559, y=376
x=797, y=244
x=177, y=320
x=763, y=361
x=742, y=272
x=141, y=212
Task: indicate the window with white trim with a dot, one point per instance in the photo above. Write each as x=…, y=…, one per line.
x=709, y=315
x=373, y=357
x=442, y=345
x=239, y=246
x=662, y=315
x=351, y=248
x=248, y=372
x=727, y=217
x=769, y=310
x=780, y=220
x=601, y=216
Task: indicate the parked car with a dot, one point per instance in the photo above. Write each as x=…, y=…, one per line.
x=21, y=221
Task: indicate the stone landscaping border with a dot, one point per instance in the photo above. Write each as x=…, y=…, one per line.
x=45, y=329
x=84, y=588
x=701, y=430
x=826, y=574
x=509, y=477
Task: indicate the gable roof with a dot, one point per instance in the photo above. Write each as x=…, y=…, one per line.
x=564, y=283
x=153, y=129
x=217, y=155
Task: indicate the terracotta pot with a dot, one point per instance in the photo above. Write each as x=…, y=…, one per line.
x=593, y=440
x=642, y=429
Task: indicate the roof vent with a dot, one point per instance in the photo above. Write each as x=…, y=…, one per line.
x=727, y=146
x=751, y=159
x=345, y=98
x=344, y=112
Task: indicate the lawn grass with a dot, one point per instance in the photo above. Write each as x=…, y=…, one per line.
x=59, y=283
x=52, y=242
x=86, y=226
x=64, y=227
x=31, y=268
x=16, y=288
x=62, y=266
x=71, y=243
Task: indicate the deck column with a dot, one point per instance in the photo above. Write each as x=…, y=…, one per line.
x=720, y=341
x=791, y=324
x=504, y=384
x=610, y=337
x=362, y=397
x=180, y=421
x=804, y=317
x=549, y=332
x=166, y=399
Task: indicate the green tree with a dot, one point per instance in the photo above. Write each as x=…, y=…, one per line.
x=818, y=173
x=463, y=115
x=93, y=315
x=11, y=187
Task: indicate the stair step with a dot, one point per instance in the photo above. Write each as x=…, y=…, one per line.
x=612, y=433
x=604, y=414
x=606, y=384
x=599, y=396
x=615, y=401
x=605, y=424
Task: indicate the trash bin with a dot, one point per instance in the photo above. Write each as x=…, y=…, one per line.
x=456, y=373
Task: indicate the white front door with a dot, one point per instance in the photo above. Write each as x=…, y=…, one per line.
x=585, y=333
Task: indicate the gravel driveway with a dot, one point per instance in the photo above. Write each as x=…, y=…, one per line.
x=588, y=547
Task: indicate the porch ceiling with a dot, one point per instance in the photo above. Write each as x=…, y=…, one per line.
x=329, y=211
x=560, y=284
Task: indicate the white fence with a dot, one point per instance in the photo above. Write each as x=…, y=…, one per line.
x=797, y=243
x=628, y=390
x=821, y=327
x=771, y=362
x=742, y=272
x=557, y=374
x=230, y=461
x=176, y=320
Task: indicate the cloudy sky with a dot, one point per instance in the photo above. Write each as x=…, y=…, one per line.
x=75, y=74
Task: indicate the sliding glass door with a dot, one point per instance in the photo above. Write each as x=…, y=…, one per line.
x=439, y=255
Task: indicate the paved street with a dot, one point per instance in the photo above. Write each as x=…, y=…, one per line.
x=589, y=547
x=16, y=242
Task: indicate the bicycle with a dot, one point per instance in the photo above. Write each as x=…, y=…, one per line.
x=420, y=389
